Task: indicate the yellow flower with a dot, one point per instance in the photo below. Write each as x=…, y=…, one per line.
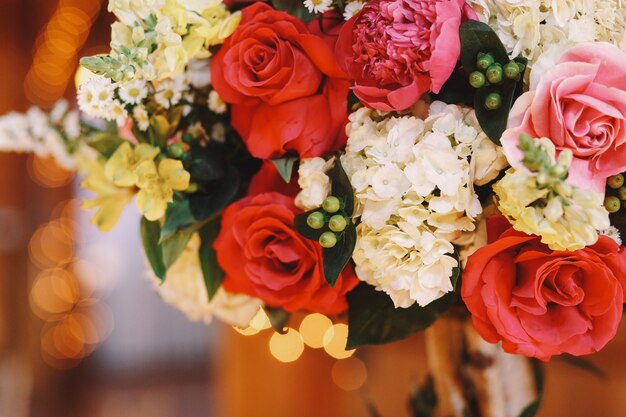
x=120, y=168
x=157, y=185
x=110, y=200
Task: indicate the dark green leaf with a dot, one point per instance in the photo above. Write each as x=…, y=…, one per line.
x=456, y=90
x=295, y=8
x=585, y=365
x=204, y=166
x=213, y=274
x=374, y=320
x=456, y=274
x=494, y=122
x=191, y=214
x=173, y=247
x=150, y=232
x=303, y=228
x=337, y=257
x=278, y=317
x=284, y=166
x=105, y=143
x=618, y=220
x=341, y=187
x=477, y=37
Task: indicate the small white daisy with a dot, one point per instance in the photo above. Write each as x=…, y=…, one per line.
x=141, y=118
x=318, y=6
x=133, y=92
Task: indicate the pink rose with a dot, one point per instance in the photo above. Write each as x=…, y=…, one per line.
x=541, y=302
x=396, y=50
x=580, y=104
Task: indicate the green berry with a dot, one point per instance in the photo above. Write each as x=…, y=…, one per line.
x=477, y=79
x=493, y=101
x=612, y=204
x=328, y=240
x=494, y=74
x=188, y=138
x=338, y=223
x=484, y=61
x=621, y=193
x=511, y=70
x=616, y=181
x=316, y=220
x=331, y=204
x=175, y=150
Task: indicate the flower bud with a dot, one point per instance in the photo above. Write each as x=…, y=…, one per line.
x=331, y=204
x=494, y=74
x=175, y=150
x=477, y=79
x=615, y=181
x=337, y=223
x=484, y=61
x=493, y=101
x=612, y=204
x=621, y=193
x=511, y=70
x=328, y=240
x=316, y=220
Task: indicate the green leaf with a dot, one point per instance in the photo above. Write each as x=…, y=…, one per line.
x=456, y=90
x=337, y=257
x=532, y=408
x=213, y=274
x=284, y=166
x=477, y=37
x=173, y=247
x=341, y=187
x=295, y=8
x=105, y=143
x=585, y=365
x=456, y=273
x=205, y=166
x=193, y=212
x=150, y=232
x=374, y=320
x=278, y=317
x=494, y=122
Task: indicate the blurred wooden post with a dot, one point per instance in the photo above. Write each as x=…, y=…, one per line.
x=471, y=374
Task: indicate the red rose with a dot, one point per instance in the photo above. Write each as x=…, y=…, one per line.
x=264, y=256
x=540, y=302
x=287, y=93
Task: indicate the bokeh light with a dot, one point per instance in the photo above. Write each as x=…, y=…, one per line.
x=258, y=323
x=313, y=328
x=349, y=374
x=48, y=173
x=335, y=340
x=287, y=347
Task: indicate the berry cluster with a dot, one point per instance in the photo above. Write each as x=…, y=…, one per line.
x=615, y=193
x=490, y=72
x=330, y=216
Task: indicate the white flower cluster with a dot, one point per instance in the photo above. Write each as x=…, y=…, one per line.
x=43, y=134
x=185, y=290
x=104, y=99
x=529, y=27
x=314, y=182
x=414, y=187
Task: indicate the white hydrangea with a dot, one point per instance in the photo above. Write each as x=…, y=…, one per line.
x=216, y=104
x=42, y=134
x=185, y=290
x=314, y=182
x=414, y=188
x=529, y=27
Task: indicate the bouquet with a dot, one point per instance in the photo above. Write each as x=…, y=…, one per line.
x=388, y=159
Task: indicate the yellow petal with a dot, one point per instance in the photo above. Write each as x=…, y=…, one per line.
x=174, y=175
x=119, y=167
x=147, y=175
x=152, y=203
x=145, y=152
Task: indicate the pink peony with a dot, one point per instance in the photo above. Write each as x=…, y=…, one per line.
x=580, y=104
x=397, y=50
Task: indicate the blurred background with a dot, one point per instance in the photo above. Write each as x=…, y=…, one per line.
x=83, y=334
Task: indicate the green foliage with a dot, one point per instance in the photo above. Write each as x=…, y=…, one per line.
x=284, y=166
x=105, y=143
x=585, y=365
x=213, y=274
x=337, y=257
x=478, y=38
x=342, y=188
x=295, y=8
x=173, y=247
x=532, y=408
x=278, y=318
x=150, y=232
x=374, y=320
